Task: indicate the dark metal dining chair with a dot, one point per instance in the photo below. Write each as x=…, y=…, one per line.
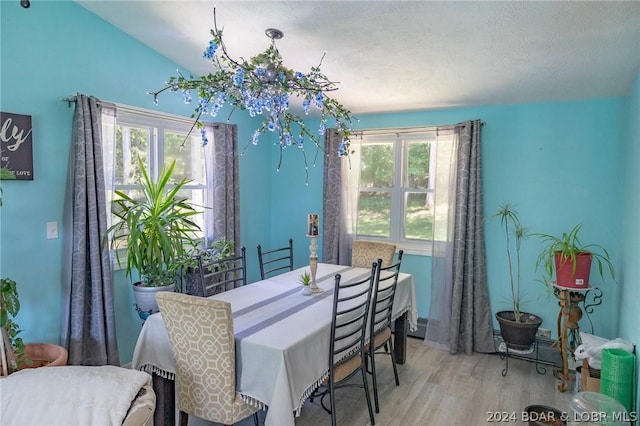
x=220, y=275
x=275, y=261
x=381, y=341
x=347, y=357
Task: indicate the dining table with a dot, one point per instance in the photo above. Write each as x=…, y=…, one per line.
x=281, y=338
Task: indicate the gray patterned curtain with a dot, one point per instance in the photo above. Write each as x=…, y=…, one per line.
x=339, y=208
x=88, y=329
x=226, y=183
x=460, y=315
x=332, y=192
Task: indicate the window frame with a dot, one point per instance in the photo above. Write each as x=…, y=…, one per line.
x=401, y=139
x=158, y=124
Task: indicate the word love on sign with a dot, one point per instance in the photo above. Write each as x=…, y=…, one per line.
x=16, y=150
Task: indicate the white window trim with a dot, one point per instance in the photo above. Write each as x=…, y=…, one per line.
x=408, y=245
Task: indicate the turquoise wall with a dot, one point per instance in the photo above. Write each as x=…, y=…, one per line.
x=628, y=318
x=57, y=49
x=559, y=163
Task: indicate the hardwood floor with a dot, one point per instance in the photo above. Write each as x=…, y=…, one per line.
x=437, y=388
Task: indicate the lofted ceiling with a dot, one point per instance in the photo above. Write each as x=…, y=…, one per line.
x=411, y=55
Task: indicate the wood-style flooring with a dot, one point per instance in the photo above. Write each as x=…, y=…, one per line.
x=437, y=388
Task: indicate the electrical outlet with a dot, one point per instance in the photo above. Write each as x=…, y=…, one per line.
x=544, y=332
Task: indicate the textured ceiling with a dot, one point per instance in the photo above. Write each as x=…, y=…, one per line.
x=402, y=55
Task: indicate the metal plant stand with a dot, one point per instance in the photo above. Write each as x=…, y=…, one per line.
x=569, y=300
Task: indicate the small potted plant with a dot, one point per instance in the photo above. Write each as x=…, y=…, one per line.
x=305, y=280
x=157, y=231
x=518, y=328
x=571, y=260
x=219, y=249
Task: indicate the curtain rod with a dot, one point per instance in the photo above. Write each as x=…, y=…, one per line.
x=404, y=130
x=136, y=110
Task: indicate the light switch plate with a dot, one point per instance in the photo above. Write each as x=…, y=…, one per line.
x=52, y=230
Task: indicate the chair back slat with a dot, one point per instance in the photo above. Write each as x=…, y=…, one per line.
x=383, y=295
x=275, y=261
x=220, y=275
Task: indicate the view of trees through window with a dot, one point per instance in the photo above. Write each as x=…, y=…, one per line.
x=159, y=142
x=396, y=189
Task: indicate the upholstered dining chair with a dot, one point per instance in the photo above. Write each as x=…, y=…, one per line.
x=381, y=341
x=201, y=335
x=222, y=274
x=365, y=252
x=351, y=301
x=275, y=261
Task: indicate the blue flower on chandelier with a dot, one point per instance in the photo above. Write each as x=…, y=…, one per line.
x=263, y=86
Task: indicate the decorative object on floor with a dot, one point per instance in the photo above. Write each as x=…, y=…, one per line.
x=591, y=408
x=312, y=229
x=157, y=231
x=542, y=415
x=616, y=377
x=571, y=260
x=518, y=329
x=263, y=85
x=14, y=353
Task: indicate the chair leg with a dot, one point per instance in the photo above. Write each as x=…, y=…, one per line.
x=256, y=420
x=372, y=355
x=393, y=361
x=366, y=394
x=184, y=418
x=332, y=401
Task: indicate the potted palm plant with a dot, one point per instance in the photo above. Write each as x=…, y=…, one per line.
x=518, y=328
x=571, y=260
x=157, y=231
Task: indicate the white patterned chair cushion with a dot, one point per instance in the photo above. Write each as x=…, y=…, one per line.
x=364, y=253
x=201, y=335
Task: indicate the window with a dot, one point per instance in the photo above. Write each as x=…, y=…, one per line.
x=398, y=172
x=159, y=139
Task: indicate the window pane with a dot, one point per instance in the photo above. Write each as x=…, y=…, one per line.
x=374, y=213
x=418, y=165
x=131, y=142
x=196, y=199
x=376, y=166
x=419, y=215
x=188, y=155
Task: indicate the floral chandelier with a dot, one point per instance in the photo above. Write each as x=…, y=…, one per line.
x=264, y=86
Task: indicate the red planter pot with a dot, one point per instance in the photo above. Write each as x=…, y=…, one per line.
x=566, y=276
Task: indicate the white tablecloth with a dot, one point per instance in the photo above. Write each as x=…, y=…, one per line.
x=282, y=338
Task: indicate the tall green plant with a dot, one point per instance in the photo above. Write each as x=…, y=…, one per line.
x=157, y=228
x=514, y=233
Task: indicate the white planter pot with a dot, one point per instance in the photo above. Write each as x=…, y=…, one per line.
x=145, y=298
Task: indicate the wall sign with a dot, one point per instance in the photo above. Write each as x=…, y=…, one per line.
x=16, y=150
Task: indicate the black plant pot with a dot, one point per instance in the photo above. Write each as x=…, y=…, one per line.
x=542, y=415
x=518, y=334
